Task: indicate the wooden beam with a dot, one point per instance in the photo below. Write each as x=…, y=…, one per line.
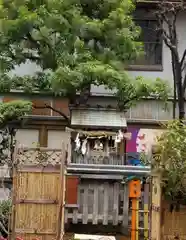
x=39, y=201
x=43, y=136
x=39, y=169
x=33, y=231
x=156, y=207
x=71, y=206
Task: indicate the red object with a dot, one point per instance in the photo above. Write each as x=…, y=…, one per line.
x=71, y=189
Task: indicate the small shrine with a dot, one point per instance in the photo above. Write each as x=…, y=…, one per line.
x=98, y=136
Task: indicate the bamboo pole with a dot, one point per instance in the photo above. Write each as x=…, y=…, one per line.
x=14, y=195
x=61, y=222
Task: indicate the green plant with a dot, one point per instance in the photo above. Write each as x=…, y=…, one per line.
x=5, y=211
x=9, y=112
x=170, y=157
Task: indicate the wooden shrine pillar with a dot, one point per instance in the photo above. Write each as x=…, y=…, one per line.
x=134, y=194
x=156, y=206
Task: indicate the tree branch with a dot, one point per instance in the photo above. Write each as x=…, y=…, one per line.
x=55, y=110
x=183, y=58
x=184, y=84
x=3, y=228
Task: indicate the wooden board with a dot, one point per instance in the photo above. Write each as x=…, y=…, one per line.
x=36, y=204
x=104, y=202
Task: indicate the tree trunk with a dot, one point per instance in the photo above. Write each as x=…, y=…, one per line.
x=174, y=78
x=177, y=76
x=180, y=93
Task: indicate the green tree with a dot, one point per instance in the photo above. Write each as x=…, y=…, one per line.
x=10, y=111
x=75, y=43
x=170, y=156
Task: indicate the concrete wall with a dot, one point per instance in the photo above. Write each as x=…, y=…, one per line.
x=56, y=138
x=28, y=137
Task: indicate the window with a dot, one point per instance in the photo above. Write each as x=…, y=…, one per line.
x=151, y=38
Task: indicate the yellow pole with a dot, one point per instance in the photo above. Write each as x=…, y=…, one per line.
x=137, y=218
x=133, y=232
x=146, y=221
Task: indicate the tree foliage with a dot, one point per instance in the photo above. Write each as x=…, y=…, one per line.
x=13, y=110
x=5, y=211
x=75, y=43
x=170, y=156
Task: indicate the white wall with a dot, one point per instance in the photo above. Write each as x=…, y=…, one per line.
x=27, y=137
x=4, y=194
x=56, y=138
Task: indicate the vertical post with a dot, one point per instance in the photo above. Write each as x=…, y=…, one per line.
x=135, y=193
x=125, y=224
x=43, y=136
x=61, y=222
x=133, y=220
x=14, y=195
x=122, y=151
x=146, y=211
x=137, y=218
x=156, y=207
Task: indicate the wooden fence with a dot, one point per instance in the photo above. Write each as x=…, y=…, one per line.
x=37, y=203
x=38, y=199
x=173, y=223
x=100, y=202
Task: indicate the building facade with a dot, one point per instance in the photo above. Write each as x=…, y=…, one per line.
x=48, y=128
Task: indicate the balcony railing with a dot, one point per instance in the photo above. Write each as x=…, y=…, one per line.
x=111, y=159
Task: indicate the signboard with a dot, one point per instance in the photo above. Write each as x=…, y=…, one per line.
x=98, y=117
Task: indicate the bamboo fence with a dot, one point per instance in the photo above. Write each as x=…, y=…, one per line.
x=38, y=195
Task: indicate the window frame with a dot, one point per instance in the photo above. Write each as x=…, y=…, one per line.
x=148, y=16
